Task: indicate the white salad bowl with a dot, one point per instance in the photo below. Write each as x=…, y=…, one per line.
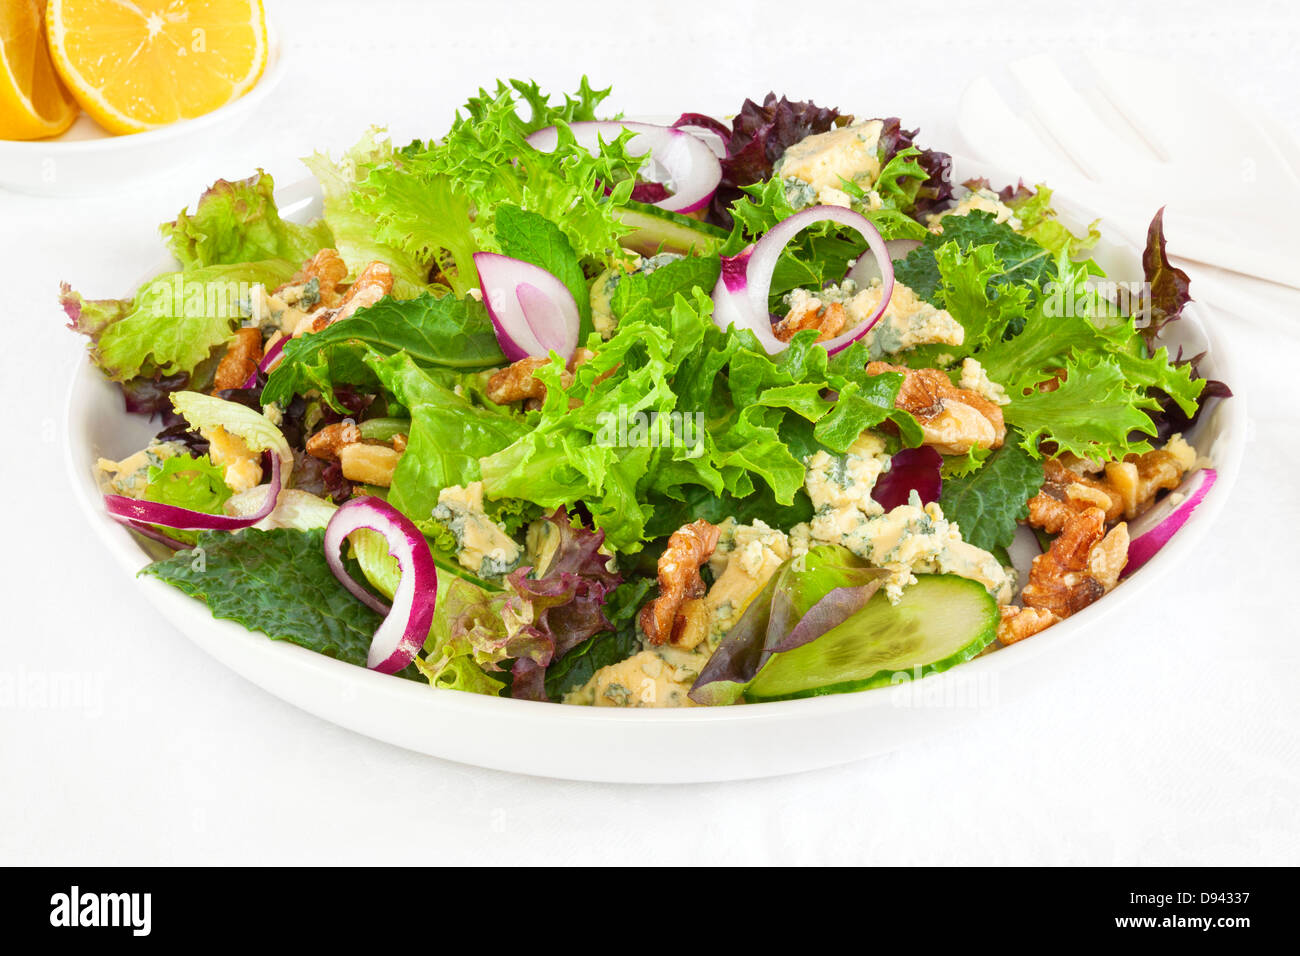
x=645, y=745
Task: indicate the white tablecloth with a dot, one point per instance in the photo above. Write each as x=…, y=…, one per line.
x=1175, y=743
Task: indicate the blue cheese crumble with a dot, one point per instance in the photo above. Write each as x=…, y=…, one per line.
x=909, y=540
x=482, y=545
x=815, y=169
x=908, y=321
x=981, y=200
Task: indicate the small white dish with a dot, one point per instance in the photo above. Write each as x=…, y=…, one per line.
x=87, y=160
x=649, y=746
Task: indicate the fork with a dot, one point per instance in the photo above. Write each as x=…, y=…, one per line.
x=1125, y=135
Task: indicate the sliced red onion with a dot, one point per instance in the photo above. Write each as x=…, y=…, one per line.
x=740, y=297
x=533, y=312
x=268, y=361
x=912, y=469
x=184, y=519
x=715, y=134
x=692, y=167
x=867, y=268
x=400, y=637
x=1150, y=532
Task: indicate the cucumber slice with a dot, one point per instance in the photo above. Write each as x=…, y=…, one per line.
x=658, y=230
x=940, y=621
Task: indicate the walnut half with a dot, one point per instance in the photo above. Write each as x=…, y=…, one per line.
x=679, y=579
x=953, y=420
x=1083, y=563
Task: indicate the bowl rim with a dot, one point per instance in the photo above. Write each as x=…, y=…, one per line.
x=193, y=618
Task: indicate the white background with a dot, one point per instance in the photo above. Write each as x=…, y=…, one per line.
x=1176, y=742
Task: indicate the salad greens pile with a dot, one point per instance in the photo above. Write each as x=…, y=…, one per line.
x=1090, y=380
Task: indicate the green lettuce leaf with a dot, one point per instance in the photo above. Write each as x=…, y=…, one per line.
x=432, y=331
x=1038, y=222
x=238, y=222
x=985, y=308
x=640, y=295
x=187, y=482
x=176, y=320
x=534, y=238
x=355, y=236
x=986, y=503
x=741, y=423
x=449, y=434
x=1094, y=413
x=438, y=201
x=1023, y=261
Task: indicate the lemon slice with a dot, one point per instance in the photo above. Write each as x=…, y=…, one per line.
x=33, y=103
x=135, y=65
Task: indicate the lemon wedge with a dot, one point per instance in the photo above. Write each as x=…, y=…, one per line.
x=33, y=103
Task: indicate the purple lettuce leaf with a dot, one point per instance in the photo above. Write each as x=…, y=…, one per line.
x=795, y=607
x=560, y=607
x=1170, y=419
x=912, y=469
x=149, y=396
x=935, y=189
x=1167, y=285
x=759, y=135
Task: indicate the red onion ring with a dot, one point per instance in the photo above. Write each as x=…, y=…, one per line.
x=268, y=360
x=135, y=510
x=1151, y=531
x=740, y=297
x=401, y=635
x=532, y=311
x=691, y=163
x=866, y=268
x=716, y=135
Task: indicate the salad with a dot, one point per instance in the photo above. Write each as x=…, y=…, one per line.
x=575, y=409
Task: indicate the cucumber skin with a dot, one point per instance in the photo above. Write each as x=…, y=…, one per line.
x=885, y=678
x=705, y=238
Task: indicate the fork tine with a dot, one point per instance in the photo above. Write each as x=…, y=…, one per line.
x=1103, y=154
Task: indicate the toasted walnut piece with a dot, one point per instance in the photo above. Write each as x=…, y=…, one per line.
x=679, y=579
x=1125, y=489
x=1066, y=492
x=516, y=381
x=1049, y=513
x=399, y=443
x=1149, y=474
x=953, y=420
x=328, y=269
x=1106, y=560
x=240, y=360
x=330, y=440
x=1020, y=622
x=369, y=464
x=828, y=320
x=1083, y=563
x=374, y=282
